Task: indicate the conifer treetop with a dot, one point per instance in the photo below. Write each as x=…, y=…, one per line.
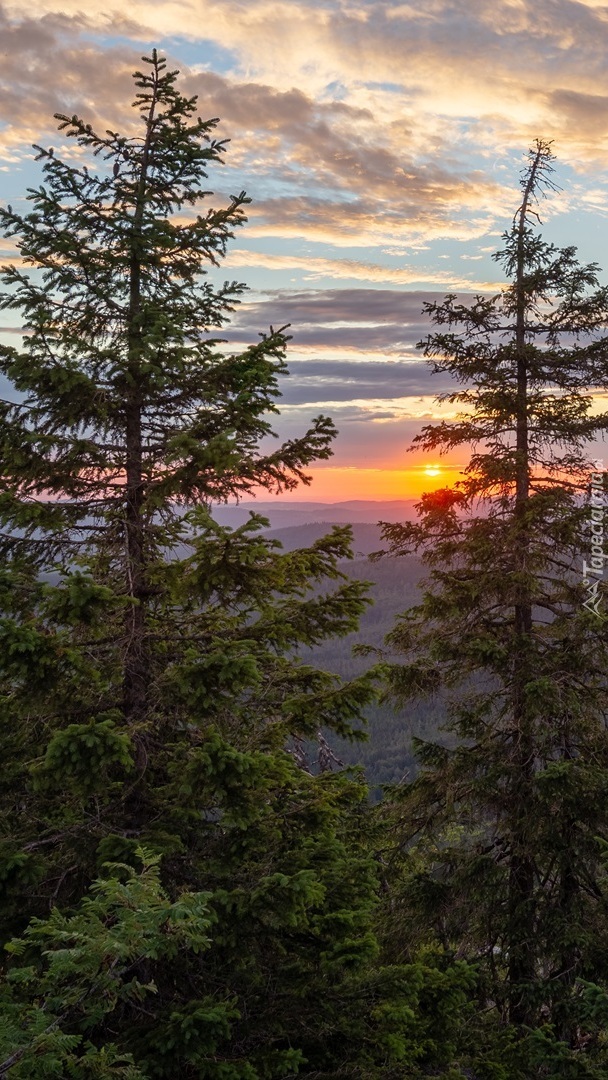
x=123, y=329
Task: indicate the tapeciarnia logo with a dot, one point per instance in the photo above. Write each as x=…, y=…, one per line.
x=593, y=571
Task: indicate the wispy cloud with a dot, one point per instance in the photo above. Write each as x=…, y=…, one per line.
x=314, y=267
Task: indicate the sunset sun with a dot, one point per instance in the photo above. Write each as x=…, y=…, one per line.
x=432, y=470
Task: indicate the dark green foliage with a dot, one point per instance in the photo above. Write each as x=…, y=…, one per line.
x=107, y=964
x=501, y=835
x=150, y=689
x=80, y=968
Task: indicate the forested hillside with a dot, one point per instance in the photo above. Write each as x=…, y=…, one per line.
x=387, y=754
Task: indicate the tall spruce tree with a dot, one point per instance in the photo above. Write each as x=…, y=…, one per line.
x=514, y=817
x=149, y=681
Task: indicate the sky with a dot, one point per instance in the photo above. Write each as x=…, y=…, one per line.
x=381, y=144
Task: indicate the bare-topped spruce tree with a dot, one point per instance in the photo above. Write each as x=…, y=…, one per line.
x=149, y=687
x=502, y=628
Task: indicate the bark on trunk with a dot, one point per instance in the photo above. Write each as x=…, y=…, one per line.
x=521, y=968
x=136, y=666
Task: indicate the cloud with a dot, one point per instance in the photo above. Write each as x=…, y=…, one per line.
x=344, y=305
x=322, y=381
x=369, y=181
x=447, y=60
x=314, y=267
x=399, y=314
x=347, y=344
x=368, y=188
x=80, y=78
x=583, y=113
x=354, y=124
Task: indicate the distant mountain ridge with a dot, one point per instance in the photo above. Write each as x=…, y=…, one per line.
x=284, y=515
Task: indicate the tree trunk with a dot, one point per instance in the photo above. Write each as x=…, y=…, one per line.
x=521, y=968
x=136, y=665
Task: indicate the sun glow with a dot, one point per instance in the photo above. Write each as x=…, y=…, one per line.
x=432, y=470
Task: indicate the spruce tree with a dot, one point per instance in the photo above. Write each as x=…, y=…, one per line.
x=150, y=686
x=515, y=814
